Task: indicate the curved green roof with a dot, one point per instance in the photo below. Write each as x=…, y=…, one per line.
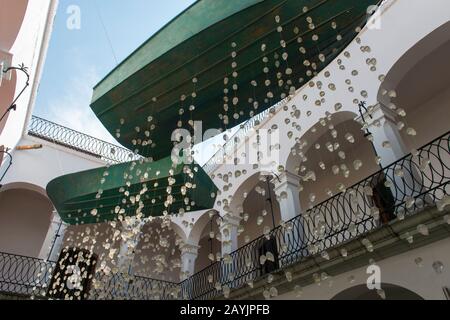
x=252, y=43
x=198, y=44
x=76, y=195
x=191, y=21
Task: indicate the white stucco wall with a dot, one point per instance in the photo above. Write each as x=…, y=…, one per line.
x=399, y=270
x=38, y=167
x=398, y=34
x=30, y=49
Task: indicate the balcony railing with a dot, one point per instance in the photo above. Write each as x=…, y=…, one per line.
x=69, y=138
x=404, y=188
x=126, y=287
x=23, y=275
x=27, y=276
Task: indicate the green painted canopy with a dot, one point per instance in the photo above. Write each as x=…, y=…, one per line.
x=219, y=62
x=127, y=186
x=199, y=44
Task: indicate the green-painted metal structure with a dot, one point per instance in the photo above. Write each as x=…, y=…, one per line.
x=198, y=44
x=75, y=195
x=139, y=102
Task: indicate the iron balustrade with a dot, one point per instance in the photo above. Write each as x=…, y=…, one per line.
x=28, y=276
x=401, y=189
x=128, y=287
x=69, y=138
x=24, y=275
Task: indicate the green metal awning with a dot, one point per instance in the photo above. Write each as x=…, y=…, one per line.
x=244, y=55
x=198, y=44
x=126, y=187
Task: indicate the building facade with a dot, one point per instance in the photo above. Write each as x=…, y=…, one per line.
x=300, y=227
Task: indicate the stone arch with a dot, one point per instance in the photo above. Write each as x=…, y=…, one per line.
x=421, y=81
x=200, y=236
x=199, y=227
x=392, y=292
x=157, y=254
x=178, y=230
x=237, y=198
x=305, y=158
x=248, y=203
x=25, y=217
x=24, y=185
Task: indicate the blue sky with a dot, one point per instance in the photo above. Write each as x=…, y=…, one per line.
x=79, y=59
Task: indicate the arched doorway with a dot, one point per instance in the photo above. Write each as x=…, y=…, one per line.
x=210, y=246
x=420, y=81
x=25, y=217
x=331, y=156
x=157, y=254
x=391, y=291
x=256, y=203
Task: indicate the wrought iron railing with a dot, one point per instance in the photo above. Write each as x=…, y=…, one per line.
x=24, y=275
x=69, y=138
x=401, y=189
x=27, y=276
x=404, y=188
x=127, y=287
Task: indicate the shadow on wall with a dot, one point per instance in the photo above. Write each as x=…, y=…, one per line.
x=25, y=217
x=361, y=292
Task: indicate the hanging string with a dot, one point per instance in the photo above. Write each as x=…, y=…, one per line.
x=108, y=38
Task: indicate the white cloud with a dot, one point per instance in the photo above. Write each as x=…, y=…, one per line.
x=71, y=107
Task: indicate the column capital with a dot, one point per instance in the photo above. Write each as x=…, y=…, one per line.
x=286, y=179
x=229, y=220
x=188, y=248
x=378, y=113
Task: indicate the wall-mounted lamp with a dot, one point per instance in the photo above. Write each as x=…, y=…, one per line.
x=27, y=83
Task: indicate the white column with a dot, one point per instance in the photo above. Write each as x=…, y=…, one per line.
x=189, y=254
x=229, y=231
x=287, y=191
x=383, y=126
x=53, y=242
x=390, y=146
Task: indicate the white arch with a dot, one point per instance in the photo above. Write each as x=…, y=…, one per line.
x=416, y=53
x=26, y=186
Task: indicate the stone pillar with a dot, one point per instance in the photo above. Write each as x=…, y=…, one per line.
x=229, y=232
x=287, y=191
x=189, y=254
x=53, y=242
x=383, y=126
x=404, y=180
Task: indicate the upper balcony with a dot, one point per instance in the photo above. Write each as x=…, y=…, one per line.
x=75, y=140
x=373, y=213
x=331, y=221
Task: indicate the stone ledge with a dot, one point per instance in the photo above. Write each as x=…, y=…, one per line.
x=389, y=238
